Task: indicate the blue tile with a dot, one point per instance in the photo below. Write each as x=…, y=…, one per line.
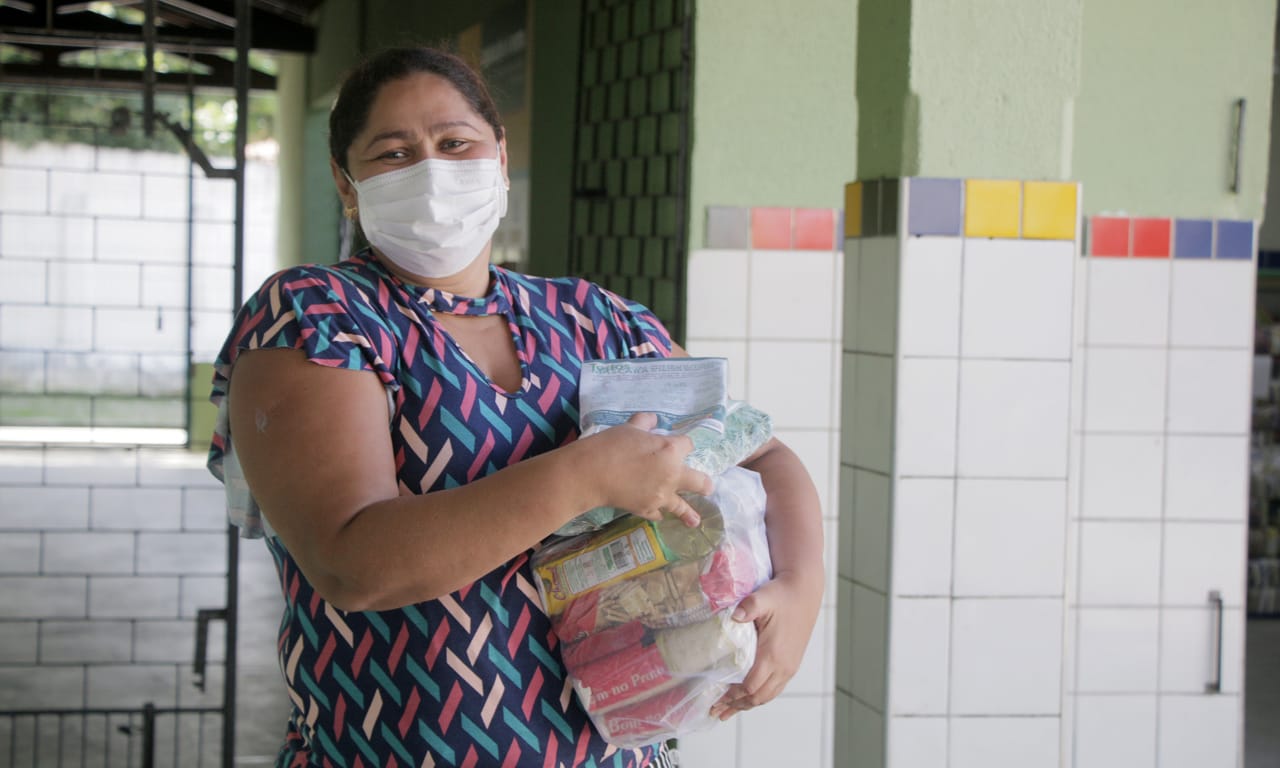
x=1192, y=238
x=728, y=226
x=1235, y=239
x=936, y=207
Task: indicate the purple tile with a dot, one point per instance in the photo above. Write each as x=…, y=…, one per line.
x=1235, y=239
x=936, y=207
x=728, y=226
x=1192, y=238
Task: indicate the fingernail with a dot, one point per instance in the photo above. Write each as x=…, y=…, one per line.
x=739, y=615
x=693, y=520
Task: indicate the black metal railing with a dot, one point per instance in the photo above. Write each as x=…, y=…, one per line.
x=149, y=737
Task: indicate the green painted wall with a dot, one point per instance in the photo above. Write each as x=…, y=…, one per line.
x=774, y=116
x=1154, y=118
x=961, y=89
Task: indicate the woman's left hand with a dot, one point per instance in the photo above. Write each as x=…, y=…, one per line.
x=784, y=616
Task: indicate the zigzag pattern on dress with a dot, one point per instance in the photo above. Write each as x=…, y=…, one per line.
x=473, y=678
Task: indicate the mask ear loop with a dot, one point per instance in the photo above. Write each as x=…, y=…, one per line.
x=350, y=211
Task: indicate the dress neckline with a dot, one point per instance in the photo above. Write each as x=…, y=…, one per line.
x=496, y=302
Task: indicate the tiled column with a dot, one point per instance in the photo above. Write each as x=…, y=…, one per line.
x=954, y=472
x=1164, y=444
x=765, y=293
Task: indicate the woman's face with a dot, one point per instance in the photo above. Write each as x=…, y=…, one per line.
x=412, y=119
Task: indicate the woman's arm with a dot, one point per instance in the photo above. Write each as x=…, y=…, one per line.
x=316, y=452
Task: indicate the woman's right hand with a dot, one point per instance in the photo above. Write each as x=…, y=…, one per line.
x=642, y=472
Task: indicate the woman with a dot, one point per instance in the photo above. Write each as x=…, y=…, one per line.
x=406, y=422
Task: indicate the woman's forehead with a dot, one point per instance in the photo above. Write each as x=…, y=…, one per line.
x=417, y=101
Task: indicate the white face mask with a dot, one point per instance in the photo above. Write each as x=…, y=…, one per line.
x=434, y=217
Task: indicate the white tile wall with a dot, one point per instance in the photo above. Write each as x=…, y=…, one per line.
x=917, y=742
x=919, y=656
x=929, y=321
x=771, y=385
x=875, y=301
x=1212, y=304
x=1023, y=279
x=1199, y=557
x=1209, y=391
x=1119, y=564
x=925, y=433
x=1188, y=650
x=1013, y=418
x=717, y=290
x=1115, y=732
x=1127, y=302
x=790, y=295
x=1122, y=476
x=762, y=744
x=1006, y=657
x=1208, y=478
x=923, y=514
x=1124, y=390
x=1115, y=652
x=1010, y=538
x=1199, y=731
x=995, y=742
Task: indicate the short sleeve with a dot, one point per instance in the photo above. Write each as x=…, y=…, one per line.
x=632, y=330
x=319, y=310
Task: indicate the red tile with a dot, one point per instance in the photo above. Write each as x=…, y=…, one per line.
x=1109, y=236
x=1151, y=238
x=815, y=229
x=771, y=229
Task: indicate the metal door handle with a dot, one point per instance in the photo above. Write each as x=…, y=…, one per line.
x=1215, y=685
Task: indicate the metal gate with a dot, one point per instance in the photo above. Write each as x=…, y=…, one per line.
x=630, y=191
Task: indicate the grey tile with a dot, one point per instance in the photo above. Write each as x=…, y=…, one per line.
x=88, y=553
x=936, y=207
x=18, y=642
x=126, y=597
x=41, y=687
x=135, y=509
x=204, y=509
x=181, y=553
x=91, y=466
x=24, y=507
x=728, y=226
x=131, y=685
x=42, y=597
x=20, y=553
x=85, y=642
x=202, y=592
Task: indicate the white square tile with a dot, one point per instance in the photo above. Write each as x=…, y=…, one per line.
x=1121, y=476
x=996, y=742
x=1006, y=657
x=876, y=297
x=1212, y=304
x=811, y=678
x=872, y=412
x=870, y=646
x=1210, y=391
x=919, y=646
x=716, y=294
x=1116, y=652
x=922, y=520
x=714, y=746
x=1013, y=419
x=925, y=439
x=732, y=350
x=1199, y=731
x=1127, y=302
x=1119, y=563
x=1208, y=478
x=1017, y=299
x=1010, y=538
x=871, y=511
x=917, y=742
x=1189, y=650
x=1200, y=557
x=1115, y=732
x=1124, y=390
x=844, y=550
x=788, y=280
x=791, y=381
x=930, y=312
x=830, y=557
x=786, y=732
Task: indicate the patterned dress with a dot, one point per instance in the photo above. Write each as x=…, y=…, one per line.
x=473, y=678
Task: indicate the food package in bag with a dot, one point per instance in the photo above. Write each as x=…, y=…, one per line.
x=643, y=611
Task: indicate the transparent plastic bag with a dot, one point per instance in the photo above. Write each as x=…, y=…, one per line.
x=643, y=611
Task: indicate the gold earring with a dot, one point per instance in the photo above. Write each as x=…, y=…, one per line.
x=350, y=212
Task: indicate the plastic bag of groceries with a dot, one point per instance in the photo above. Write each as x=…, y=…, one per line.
x=643, y=609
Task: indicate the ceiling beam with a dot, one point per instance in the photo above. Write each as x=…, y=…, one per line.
x=59, y=75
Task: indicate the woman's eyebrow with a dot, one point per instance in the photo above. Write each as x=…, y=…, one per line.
x=400, y=134
x=447, y=124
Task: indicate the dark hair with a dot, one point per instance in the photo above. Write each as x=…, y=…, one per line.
x=351, y=110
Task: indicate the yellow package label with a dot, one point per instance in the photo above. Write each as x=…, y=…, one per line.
x=629, y=550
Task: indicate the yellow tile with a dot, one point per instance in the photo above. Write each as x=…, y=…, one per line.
x=991, y=208
x=853, y=209
x=1049, y=210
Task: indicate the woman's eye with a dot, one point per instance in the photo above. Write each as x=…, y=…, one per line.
x=394, y=154
x=452, y=145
